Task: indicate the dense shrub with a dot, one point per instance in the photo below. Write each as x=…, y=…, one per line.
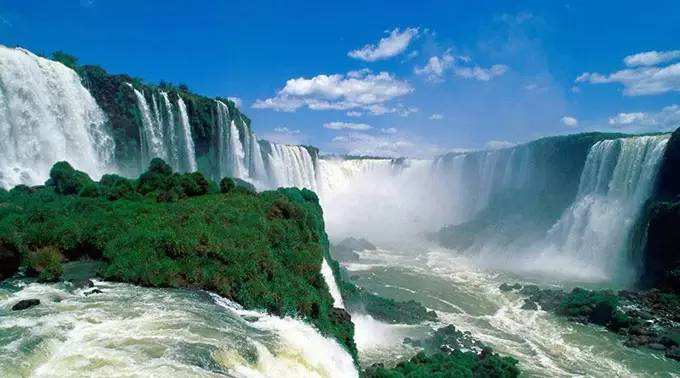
x=226, y=243
x=227, y=185
x=67, y=180
x=454, y=364
x=597, y=307
x=45, y=263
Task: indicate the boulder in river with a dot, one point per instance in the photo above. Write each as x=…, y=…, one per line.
x=25, y=304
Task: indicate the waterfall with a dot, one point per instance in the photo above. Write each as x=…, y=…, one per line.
x=152, y=138
x=327, y=274
x=170, y=131
x=46, y=115
x=187, y=139
x=290, y=165
x=616, y=181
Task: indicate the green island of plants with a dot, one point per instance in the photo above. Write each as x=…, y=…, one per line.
x=262, y=250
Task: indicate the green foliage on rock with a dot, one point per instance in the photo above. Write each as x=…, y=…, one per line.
x=68, y=60
x=445, y=365
x=599, y=307
x=263, y=250
x=67, y=180
x=45, y=263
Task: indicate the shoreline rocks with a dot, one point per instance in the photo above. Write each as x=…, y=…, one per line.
x=648, y=319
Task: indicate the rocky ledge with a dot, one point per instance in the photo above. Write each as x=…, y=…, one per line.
x=648, y=319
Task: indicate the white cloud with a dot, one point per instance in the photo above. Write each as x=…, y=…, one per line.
x=346, y=126
x=236, y=100
x=392, y=45
x=436, y=117
x=651, y=58
x=436, y=67
x=639, y=81
x=355, y=90
x=626, y=118
x=353, y=113
x=388, y=145
x=569, y=121
x=480, y=73
x=285, y=130
x=667, y=118
x=498, y=144
x=389, y=130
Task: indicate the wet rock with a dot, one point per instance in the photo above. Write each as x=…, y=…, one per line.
x=448, y=339
x=529, y=305
x=656, y=346
x=251, y=319
x=673, y=353
x=25, y=304
x=9, y=261
x=93, y=291
x=530, y=290
x=507, y=287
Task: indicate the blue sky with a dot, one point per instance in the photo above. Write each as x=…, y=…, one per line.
x=447, y=75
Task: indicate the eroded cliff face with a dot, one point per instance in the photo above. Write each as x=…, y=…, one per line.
x=658, y=240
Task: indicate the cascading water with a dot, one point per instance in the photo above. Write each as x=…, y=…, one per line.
x=170, y=127
x=617, y=179
x=327, y=274
x=186, y=137
x=152, y=138
x=46, y=115
x=290, y=165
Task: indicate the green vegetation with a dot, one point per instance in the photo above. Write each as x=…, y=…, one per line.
x=358, y=299
x=599, y=307
x=454, y=364
x=262, y=250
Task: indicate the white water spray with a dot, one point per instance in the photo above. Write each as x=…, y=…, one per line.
x=46, y=115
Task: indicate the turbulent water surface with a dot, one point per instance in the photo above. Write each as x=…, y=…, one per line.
x=132, y=331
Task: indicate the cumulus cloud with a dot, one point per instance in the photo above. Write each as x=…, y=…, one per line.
x=436, y=117
x=644, y=75
x=651, y=58
x=354, y=113
x=355, y=90
x=481, y=73
x=346, y=126
x=569, y=121
x=436, y=67
x=667, y=118
x=498, y=144
x=386, y=144
x=394, y=44
x=626, y=118
x=389, y=130
x=236, y=100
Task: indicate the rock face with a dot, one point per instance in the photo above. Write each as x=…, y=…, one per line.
x=657, y=236
x=25, y=304
x=347, y=249
x=9, y=261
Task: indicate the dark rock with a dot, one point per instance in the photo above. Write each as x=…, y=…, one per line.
x=93, y=291
x=529, y=305
x=530, y=290
x=673, y=353
x=656, y=346
x=447, y=339
x=9, y=261
x=339, y=315
x=507, y=287
x=251, y=319
x=347, y=249
x=25, y=304
x=89, y=283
